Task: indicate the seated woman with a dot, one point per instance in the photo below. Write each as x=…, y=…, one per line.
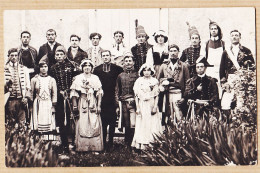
x=148, y=121
x=86, y=93
x=44, y=94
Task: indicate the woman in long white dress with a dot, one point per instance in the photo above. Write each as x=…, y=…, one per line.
x=44, y=94
x=148, y=120
x=86, y=93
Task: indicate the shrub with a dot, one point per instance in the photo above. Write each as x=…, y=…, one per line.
x=25, y=149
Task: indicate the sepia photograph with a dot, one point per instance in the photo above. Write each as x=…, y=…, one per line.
x=130, y=87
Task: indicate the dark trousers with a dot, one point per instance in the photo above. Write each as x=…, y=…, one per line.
x=129, y=132
x=16, y=110
x=60, y=118
x=111, y=122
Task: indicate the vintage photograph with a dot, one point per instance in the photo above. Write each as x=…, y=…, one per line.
x=130, y=87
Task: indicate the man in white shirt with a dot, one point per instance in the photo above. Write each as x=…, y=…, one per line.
x=118, y=49
x=94, y=52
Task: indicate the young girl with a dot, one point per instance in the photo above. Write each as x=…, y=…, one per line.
x=148, y=121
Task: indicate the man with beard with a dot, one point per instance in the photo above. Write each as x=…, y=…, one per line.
x=118, y=49
x=63, y=72
x=173, y=77
x=49, y=48
x=125, y=94
x=27, y=54
x=139, y=51
x=108, y=73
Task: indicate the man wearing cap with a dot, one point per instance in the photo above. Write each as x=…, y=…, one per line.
x=108, y=73
x=118, y=49
x=75, y=53
x=202, y=88
x=94, y=52
x=18, y=75
x=49, y=48
x=214, y=49
x=235, y=57
x=125, y=97
x=173, y=76
x=192, y=53
x=139, y=51
x=63, y=72
x=27, y=54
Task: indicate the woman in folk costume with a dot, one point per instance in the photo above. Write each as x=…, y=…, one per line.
x=148, y=121
x=86, y=93
x=44, y=94
x=158, y=52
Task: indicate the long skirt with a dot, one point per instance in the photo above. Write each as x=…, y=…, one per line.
x=147, y=125
x=88, y=135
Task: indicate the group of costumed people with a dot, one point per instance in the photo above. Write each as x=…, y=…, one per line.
x=146, y=88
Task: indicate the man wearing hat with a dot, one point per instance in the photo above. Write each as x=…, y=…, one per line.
x=94, y=52
x=202, y=88
x=214, y=49
x=63, y=72
x=118, y=49
x=18, y=75
x=49, y=48
x=139, y=51
x=27, y=54
x=125, y=97
x=173, y=77
x=108, y=73
x=192, y=53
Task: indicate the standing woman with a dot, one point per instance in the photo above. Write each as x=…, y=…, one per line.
x=148, y=121
x=158, y=52
x=86, y=93
x=44, y=94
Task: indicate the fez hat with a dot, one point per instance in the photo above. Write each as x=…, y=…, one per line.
x=44, y=60
x=140, y=30
x=61, y=48
x=192, y=30
x=204, y=61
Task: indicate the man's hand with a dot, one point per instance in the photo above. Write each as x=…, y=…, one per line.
x=180, y=102
x=98, y=109
x=199, y=87
x=118, y=112
x=53, y=110
x=24, y=101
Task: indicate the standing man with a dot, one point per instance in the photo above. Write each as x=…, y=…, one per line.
x=108, y=73
x=139, y=51
x=94, y=52
x=18, y=75
x=202, y=89
x=118, y=49
x=63, y=72
x=192, y=53
x=75, y=53
x=49, y=48
x=125, y=94
x=173, y=76
x=27, y=54
x=214, y=49
x=235, y=57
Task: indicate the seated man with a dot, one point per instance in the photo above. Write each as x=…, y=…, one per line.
x=202, y=90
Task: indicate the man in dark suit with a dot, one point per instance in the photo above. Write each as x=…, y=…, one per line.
x=49, y=48
x=108, y=73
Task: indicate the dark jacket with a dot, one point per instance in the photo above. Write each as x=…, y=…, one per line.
x=29, y=63
x=45, y=49
x=245, y=59
x=80, y=55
